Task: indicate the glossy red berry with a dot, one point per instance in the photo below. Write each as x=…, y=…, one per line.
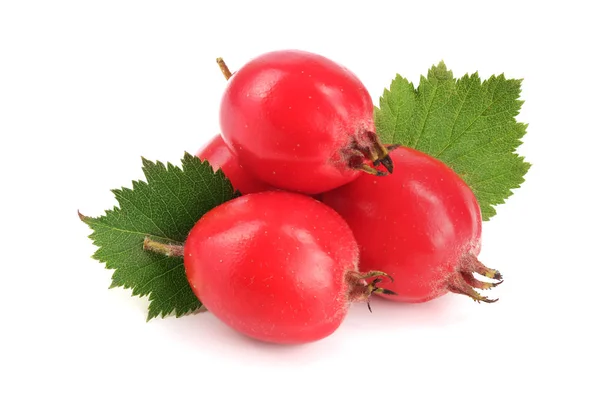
x=301, y=122
x=220, y=156
x=421, y=225
x=277, y=266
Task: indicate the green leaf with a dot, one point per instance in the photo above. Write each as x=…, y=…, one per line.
x=165, y=208
x=468, y=124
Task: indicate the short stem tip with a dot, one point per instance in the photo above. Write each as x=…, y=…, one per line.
x=224, y=68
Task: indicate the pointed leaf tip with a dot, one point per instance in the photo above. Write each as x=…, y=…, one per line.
x=81, y=216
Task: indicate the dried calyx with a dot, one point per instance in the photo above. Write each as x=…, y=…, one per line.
x=369, y=154
x=465, y=282
x=363, y=285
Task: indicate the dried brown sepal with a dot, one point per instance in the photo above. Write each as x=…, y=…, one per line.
x=360, y=290
x=476, y=283
x=464, y=281
x=463, y=288
x=370, y=154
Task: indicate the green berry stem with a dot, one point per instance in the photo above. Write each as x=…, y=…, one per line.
x=169, y=250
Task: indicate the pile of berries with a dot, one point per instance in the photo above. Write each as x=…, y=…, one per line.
x=328, y=215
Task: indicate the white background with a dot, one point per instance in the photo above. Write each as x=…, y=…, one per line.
x=87, y=88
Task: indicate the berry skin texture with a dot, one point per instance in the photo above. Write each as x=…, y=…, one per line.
x=219, y=155
x=421, y=225
x=301, y=122
x=277, y=266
